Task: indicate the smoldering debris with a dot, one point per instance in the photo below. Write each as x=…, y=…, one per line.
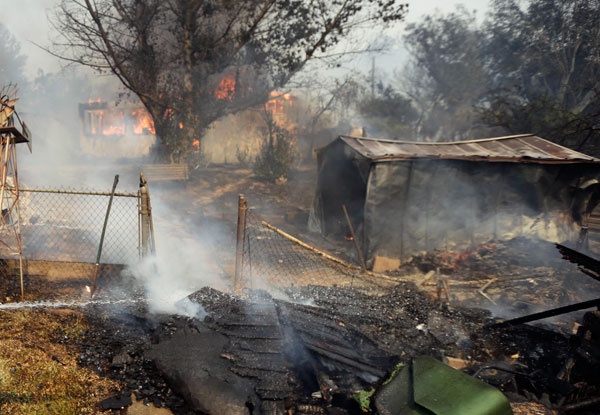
x=285, y=355
x=311, y=349
x=115, y=346
x=510, y=278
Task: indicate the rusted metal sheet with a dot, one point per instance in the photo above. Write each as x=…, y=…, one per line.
x=516, y=148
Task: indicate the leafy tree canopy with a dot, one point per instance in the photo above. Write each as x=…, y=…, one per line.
x=390, y=113
x=530, y=67
x=544, y=65
x=192, y=61
x=12, y=62
x=445, y=76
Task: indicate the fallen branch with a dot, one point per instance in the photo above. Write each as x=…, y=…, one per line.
x=335, y=259
x=482, y=290
x=426, y=278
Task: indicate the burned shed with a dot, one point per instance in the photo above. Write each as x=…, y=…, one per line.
x=407, y=197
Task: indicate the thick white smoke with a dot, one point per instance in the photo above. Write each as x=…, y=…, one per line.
x=184, y=262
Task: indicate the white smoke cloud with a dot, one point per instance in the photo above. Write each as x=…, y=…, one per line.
x=166, y=282
x=184, y=262
x=27, y=22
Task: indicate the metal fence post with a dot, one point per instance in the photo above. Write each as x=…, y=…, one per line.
x=241, y=232
x=110, y=200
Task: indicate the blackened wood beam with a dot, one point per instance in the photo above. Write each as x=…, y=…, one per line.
x=546, y=314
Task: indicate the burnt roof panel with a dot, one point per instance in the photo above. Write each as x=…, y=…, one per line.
x=517, y=148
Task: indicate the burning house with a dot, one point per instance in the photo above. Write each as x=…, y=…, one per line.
x=127, y=130
x=403, y=198
x=110, y=130
x=238, y=137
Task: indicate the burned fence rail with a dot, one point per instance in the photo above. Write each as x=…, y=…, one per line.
x=61, y=231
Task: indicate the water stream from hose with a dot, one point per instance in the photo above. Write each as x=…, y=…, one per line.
x=64, y=304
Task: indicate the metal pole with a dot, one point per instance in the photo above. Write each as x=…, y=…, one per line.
x=17, y=205
x=102, y=235
x=239, y=254
x=548, y=313
x=7, y=143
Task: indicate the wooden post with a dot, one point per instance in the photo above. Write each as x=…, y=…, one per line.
x=358, y=251
x=239, y=254
x=147, y=227
x=143, y=217
x=405, y=206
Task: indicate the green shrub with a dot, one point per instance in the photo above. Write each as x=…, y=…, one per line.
x=276, y=154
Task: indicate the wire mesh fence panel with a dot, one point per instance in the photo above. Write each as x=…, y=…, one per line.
x=67, y=226
x=271, y=259
x=61, y=233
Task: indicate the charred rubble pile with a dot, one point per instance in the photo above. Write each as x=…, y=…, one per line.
x=315, y=349
x=115, y=346
x=543, y=326
x=321, y=350
x=502, y=257
x=512, y=278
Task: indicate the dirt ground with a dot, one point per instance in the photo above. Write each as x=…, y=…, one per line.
x=102, y=343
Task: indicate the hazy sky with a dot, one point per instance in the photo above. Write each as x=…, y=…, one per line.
x=27, y=21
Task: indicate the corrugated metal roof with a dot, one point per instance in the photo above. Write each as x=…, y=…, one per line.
x=527, y=148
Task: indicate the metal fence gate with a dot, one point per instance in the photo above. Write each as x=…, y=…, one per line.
x=61, y=232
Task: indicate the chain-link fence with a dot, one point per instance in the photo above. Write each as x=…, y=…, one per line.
x=272, y=258
x=61, y=232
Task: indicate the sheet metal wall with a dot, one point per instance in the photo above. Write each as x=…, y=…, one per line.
x=421, y=205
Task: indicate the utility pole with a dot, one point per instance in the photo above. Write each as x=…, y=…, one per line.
x=373, y=77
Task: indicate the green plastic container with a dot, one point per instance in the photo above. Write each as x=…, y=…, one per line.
x=429, y=387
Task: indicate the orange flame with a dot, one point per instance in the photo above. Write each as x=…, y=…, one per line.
x=113, y=130
x=113, y=123
x=142, y=122
x=278, y=102
x=226, y=88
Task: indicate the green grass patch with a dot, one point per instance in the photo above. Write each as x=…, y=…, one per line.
x=39, y=373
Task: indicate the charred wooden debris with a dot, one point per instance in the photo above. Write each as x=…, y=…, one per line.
x=315, y=350
x=329, y=350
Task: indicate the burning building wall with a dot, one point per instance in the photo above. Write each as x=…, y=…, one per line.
x=237, y=138
x=110, y=130
x=127, y=130
x=407, y=197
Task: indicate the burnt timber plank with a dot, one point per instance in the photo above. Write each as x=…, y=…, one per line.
x=256, y=347
x=334, y=341
x=587, y=264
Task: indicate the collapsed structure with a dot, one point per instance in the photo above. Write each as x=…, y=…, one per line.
x=408, y=197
